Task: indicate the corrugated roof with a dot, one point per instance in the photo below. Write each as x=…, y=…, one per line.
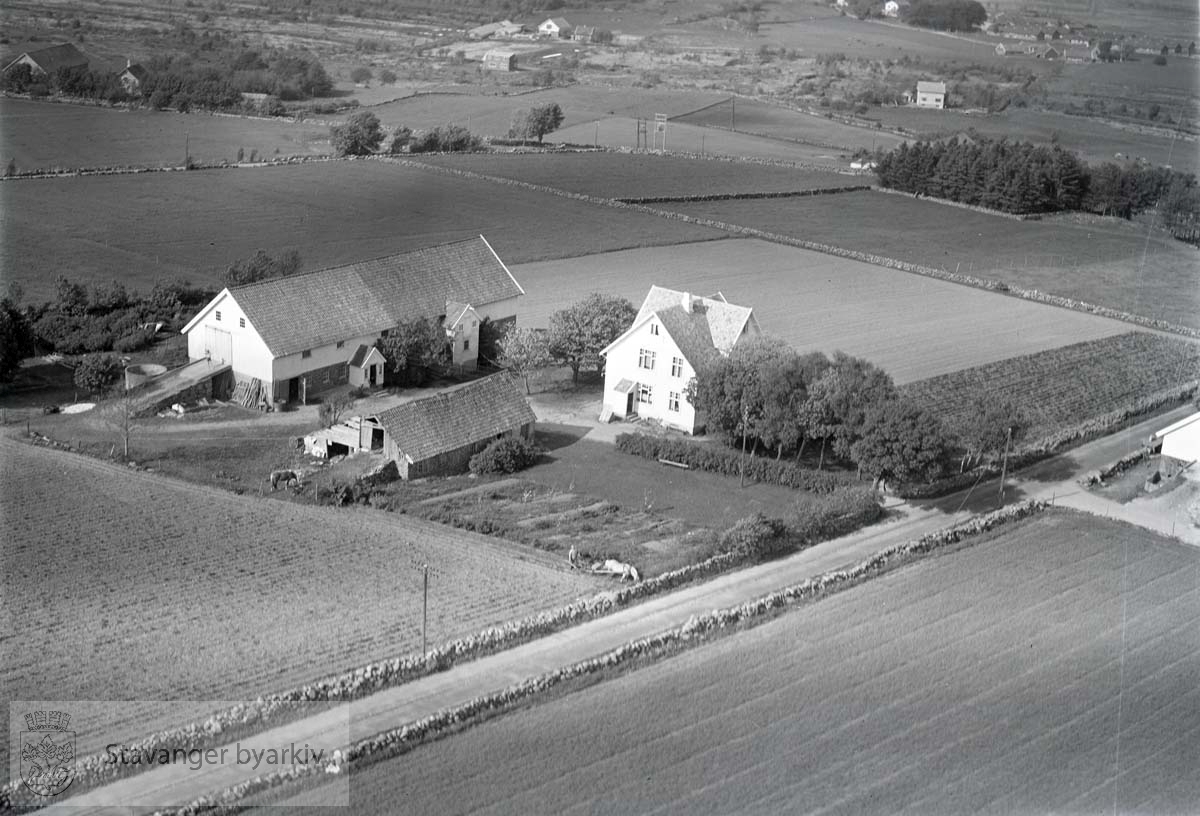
x=318, y=308
x=465, y=414
x=53, y=57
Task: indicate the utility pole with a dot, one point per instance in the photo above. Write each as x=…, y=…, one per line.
x=425, y=613
x=1004, y=466
x=732, y=111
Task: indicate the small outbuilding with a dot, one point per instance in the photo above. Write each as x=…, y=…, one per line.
x=496, y=60
x=132, y=77
x=437, y=435
x=365, y=368
x=46, y=61
x=1180, y=440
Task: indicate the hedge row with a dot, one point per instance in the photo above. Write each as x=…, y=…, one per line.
x=743, y=196
x=865, y=257
x=728, y=462
x=402, y=738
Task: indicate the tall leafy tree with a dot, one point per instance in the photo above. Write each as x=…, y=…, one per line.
x=524, y=351
x=536, y=122
x=360, y=135
x=579, y=332
x=262, y=266
x=416, y=347
x=900, y=441
x=16, y=339
x=986, y=432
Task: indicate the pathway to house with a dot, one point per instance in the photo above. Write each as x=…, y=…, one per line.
x=413, y=701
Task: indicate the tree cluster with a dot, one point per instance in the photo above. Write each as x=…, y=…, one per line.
x=416, y=348
x=765, y=394
x=16, y=338
x=262, y=266
x=536, y=122
x=946, y=15
x=444, y=139
x=1020, y=177
x=359, y=135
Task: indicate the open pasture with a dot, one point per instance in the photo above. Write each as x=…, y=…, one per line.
x=1110, y=262
x=1050, y=669
x=914, y=327
x=1059, y=387
x=873, y=39
x=634, y=175
x=46, y=135
x=144, y=588
x=140, y=228
x=753, y=117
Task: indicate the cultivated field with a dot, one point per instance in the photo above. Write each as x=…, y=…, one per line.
x=1058, y=388
x=874, y=39
x=140, y=228
x=914, y=327
x=136, y=587
x=1110, y=263
x=1051, y=669
x=621, y=175
x=749, y=116
x=45, y=135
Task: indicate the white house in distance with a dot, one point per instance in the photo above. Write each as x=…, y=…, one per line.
x=931, y=94
x=288, y=337
x=553, y=27
x=1180, y=440
x=648, y=367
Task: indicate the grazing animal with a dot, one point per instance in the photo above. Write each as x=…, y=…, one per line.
x=285, y=476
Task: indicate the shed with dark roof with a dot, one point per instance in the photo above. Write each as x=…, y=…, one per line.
x=437, y=435
x=46, y=61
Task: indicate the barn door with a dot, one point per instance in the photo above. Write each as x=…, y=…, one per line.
x=218, y=344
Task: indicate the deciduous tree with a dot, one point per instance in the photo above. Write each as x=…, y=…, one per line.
x=536, y=122
x=360, y=135
x=97, y=373
x=262, y=266
x=16, y=339
x=987, y=430
x=415, y=347
x=900, y=441
x=579, y=332
x=524, y=351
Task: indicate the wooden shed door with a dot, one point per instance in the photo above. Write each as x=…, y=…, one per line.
x=218, y=344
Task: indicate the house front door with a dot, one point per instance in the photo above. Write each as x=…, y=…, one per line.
x=629, y=403
x=371, y=375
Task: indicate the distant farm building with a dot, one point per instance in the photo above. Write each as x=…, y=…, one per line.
x=503, y=30
x=647, y=368
x=47, y=61
x=583, y=34
x=288, y=337
x=437, y=435
x=1180, y=440
x=496, y=60
x=1001, y=49
x=132, y=77
x=554, y=27
x=931, y=94
x=1050, y=53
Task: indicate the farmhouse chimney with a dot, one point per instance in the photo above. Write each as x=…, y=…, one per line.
x=687, y=302
x=128, y=62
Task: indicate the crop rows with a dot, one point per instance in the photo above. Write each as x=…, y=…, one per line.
x=987, y=680
x=1060, y=387
x=148, y=589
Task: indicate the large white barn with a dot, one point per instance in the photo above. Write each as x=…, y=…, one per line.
x=301, y=334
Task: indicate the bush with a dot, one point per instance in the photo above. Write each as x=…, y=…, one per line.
x=839, y=514
x=134, y=341
x=755, y=537
x=506, y=455
x=728, y=462
x=96, y=373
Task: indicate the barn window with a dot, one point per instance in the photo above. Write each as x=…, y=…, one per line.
x=645, y=359
x=341, y=343
x=654, y=328
x=676, y=366
x=242, y=322
x=467, y=344
x=306, y=354
x=218, y=314
x=645, y=393
x=673, y=401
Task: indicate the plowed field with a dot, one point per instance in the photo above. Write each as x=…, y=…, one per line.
x=1050, y=670
x=124, y=585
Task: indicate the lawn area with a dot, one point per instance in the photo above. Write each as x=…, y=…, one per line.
x=46, y=135
x=146, y=588
x=913, y=326
x=195, y=224
x=637, y=175
x=1050, y=669
x=1109, y=263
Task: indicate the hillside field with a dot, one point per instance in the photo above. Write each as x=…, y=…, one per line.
x=46, y=135
x=143, y=227
x=1109, y=263
x=915, y=327
x=1050, y=669
x=642, y=175
x=145, y=588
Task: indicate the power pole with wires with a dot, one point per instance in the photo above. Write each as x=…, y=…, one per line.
x=1004, y=466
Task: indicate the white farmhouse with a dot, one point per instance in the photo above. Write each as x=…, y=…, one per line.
x=555, y=27
x=289, y=337
x=931, y=94
x=647, y=368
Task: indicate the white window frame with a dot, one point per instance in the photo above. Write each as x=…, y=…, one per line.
x=646, y=359
x=673, y=401
x=645, y=394
x=676, y=366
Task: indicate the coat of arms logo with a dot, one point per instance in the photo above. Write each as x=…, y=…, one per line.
x=47, y=752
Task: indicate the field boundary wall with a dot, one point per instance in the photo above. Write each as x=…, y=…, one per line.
x=972, y=207
x=694, y=631
x=852, y=254
x=684, y=199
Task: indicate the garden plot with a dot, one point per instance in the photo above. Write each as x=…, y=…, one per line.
x=1049, y=669
x=144, y=588
x=912, y=326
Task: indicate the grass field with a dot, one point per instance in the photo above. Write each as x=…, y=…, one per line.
x=633, y=175
x=1109, y=263
x=1050, y=669
x=44, y=135
x=874, y=40
x=1059, y=387
x=914, y=327
x=142, y=588
x=749, y=116
x=140, y=228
